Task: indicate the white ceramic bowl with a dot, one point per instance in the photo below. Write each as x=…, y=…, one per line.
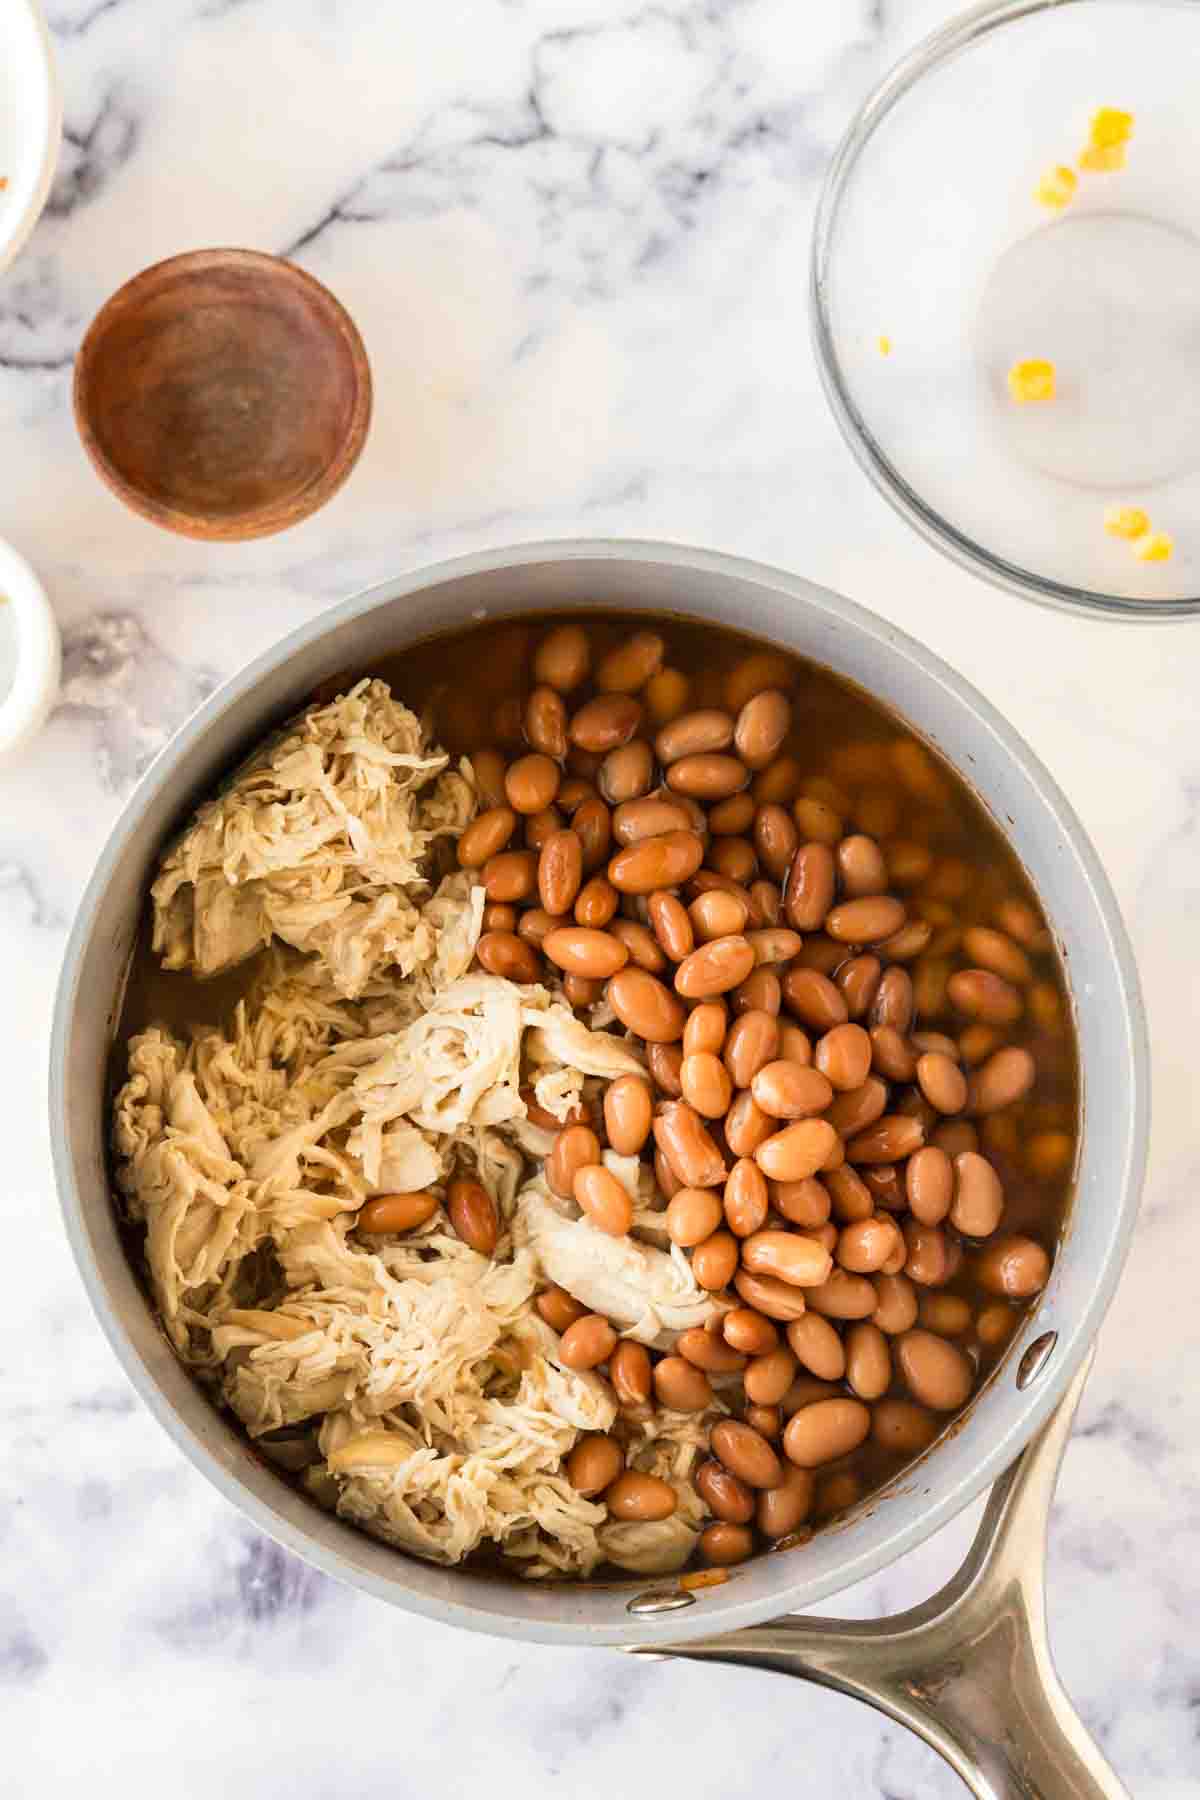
x=30, y=652
x=30, y=122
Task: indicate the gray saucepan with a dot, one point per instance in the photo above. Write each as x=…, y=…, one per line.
x=970, y=1670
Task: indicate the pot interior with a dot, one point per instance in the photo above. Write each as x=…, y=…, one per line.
x=1007, y=781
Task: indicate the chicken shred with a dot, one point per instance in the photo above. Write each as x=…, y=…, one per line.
x=319, y=841
x=365, y=1059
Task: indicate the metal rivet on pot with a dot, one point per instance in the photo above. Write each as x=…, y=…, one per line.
x=659, y=1600
x=1035, y=1359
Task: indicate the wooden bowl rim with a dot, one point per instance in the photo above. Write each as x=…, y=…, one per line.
x=276, y=515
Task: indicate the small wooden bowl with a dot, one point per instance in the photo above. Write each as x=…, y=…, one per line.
x=223, y=394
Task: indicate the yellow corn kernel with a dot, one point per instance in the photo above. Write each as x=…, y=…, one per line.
x=1153, y=546
x=1102, y=159
x=884, y=344
x=1126, y=521
x=1056, y=187
x=1032, y=379
x=1110, y=126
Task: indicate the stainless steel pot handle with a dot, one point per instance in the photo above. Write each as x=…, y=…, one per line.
x=970, y=1669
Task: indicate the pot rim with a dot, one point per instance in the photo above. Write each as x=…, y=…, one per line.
x=723, y=1609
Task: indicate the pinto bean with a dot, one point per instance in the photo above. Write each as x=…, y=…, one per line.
x=978, y=1196
x=746, y=1454
x=714, y=968
x=939, y=1375
x=630, y=1373
x=762, y=725
x=746, y=1125
x=716, y=914
x=868, y=1361
x=486, y=836
x=843, y=1296
x=656, y=862
x=628, y=1113
x=760, y=992
x=824, y=1432
x=689, y=1149
x=635, y=1496
x=694, y=734
x=594, y=1464
x=707, y=776
x=865, y=921
x=809, y=888
x=532, y=782
x=768, y=1295
x=504, y=953
x=705, y=1029
x=723, y=1494
x=562, y=658
x=865, y=1245
x=575, y=1148
x=776, y=839
x=787, y=1090
x=805, y=1203
x=587, y=1343
x=605, y=723
x=893, y=1004
x=817, y=1345
x=395, y=1212
x=680, y=1386
x=889, y=1140
x=931, y=1260
x=767, y=1378
x=747, y=1331
x=995, y=951
x=783, y=1509
x=1014, y=1267
x=512, y=875
x=787, y=1256
x=651, y=816
x=627, y=772
x=605, y=1200
x=715, y=1260
x=665, y=1065
x=645, y=1007
x=671, y=925
x=630, y=666
x=560, y=871
x=560, y=1309
x=593, y=954
x=929, y=1184
x=746, y=1201
x=473, y=1214
x=843, y=1056
x=797, y=1151
x=980, y=994
x=1003, y=1079
x=859, y=980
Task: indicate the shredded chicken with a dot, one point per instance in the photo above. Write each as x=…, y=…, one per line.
x=319, y=840
x=365, y=1059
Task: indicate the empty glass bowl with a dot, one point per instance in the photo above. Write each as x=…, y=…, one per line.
x=936, y=270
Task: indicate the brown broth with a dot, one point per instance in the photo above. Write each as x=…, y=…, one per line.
x=460, y=682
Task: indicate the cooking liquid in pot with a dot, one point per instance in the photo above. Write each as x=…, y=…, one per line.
x=845, y=769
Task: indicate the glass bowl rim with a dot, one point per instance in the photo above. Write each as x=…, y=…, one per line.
x=930, y=53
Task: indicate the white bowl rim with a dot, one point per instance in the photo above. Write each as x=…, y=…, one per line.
x=26, y=220
x=23, y=709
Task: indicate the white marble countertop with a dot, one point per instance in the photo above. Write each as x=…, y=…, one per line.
x=574, y=233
